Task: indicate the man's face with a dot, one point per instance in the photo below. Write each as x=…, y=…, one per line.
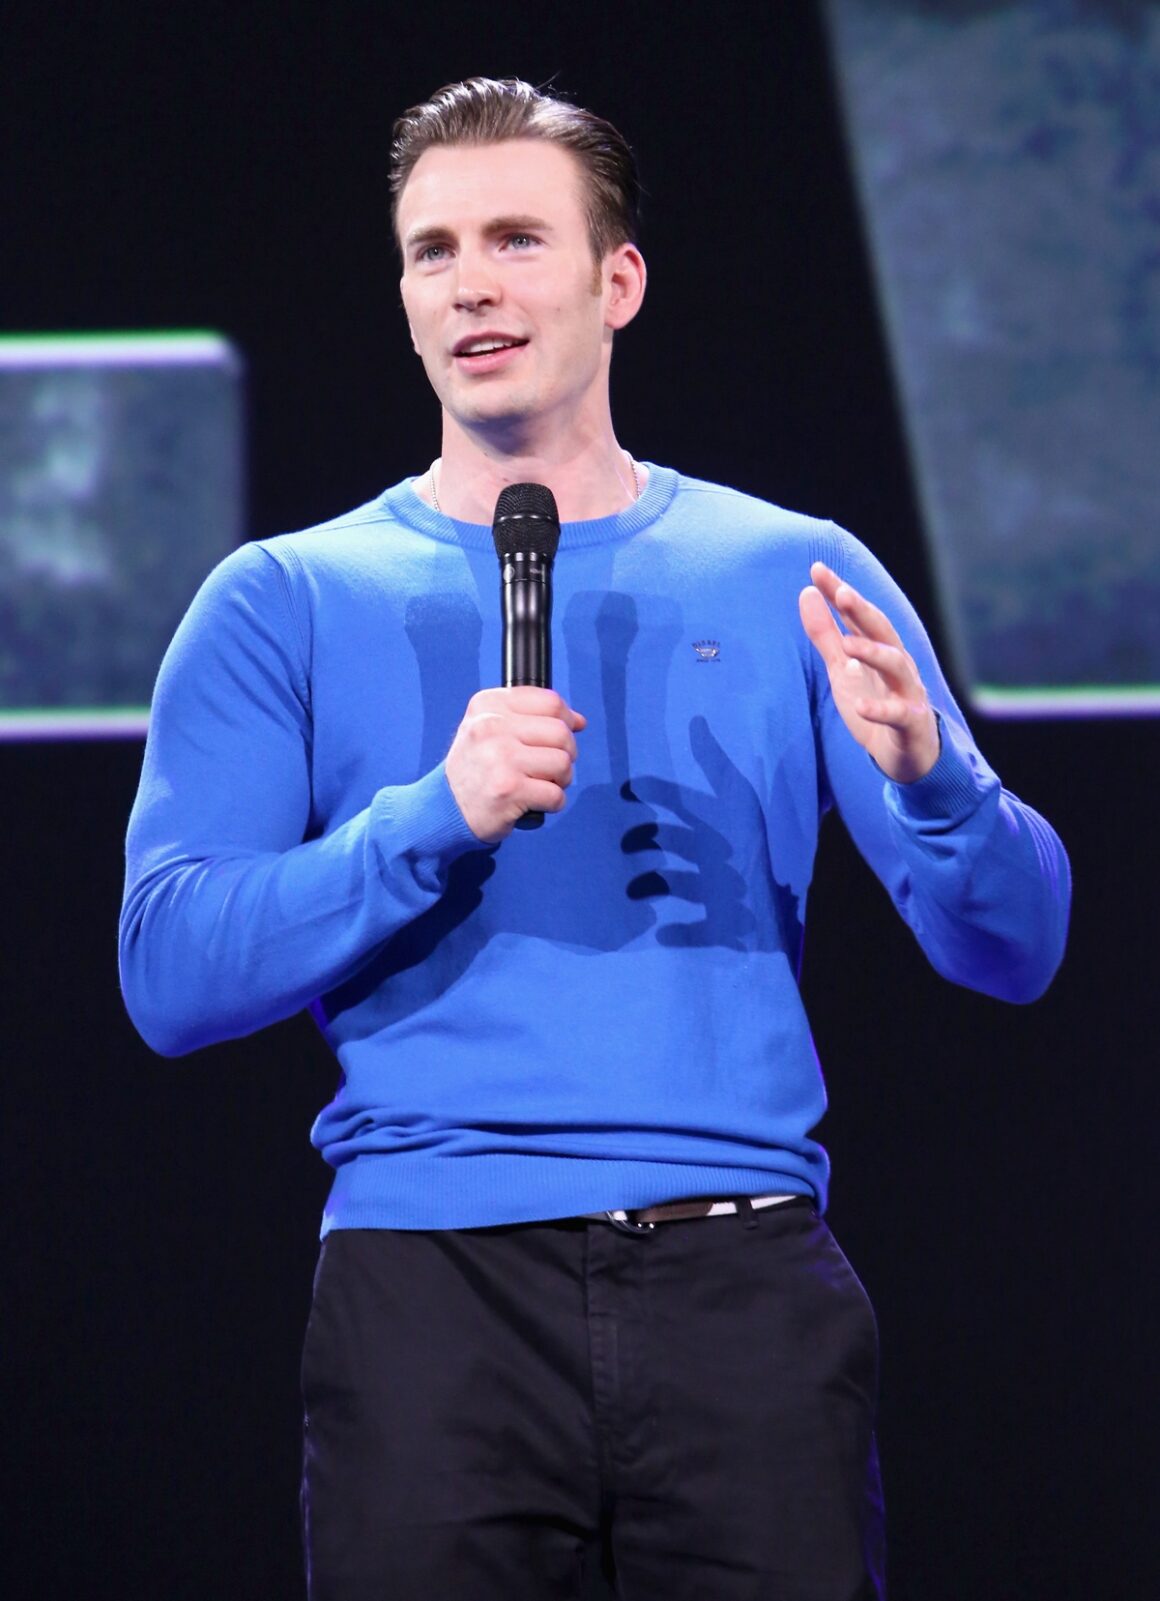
x=507, y=307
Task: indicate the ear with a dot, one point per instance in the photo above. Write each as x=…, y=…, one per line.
x=403, y=303
x=624, y=277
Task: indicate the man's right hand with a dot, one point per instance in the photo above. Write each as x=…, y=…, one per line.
x=513, y=753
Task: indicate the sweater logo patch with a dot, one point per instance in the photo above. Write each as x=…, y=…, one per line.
x=708, y=650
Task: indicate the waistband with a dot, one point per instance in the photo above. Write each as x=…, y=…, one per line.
x=647, y=1217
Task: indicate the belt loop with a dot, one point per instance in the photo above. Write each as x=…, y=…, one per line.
x=746, y=1210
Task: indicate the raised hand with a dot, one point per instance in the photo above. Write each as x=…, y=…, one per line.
x=875, y=683
x=512, y=753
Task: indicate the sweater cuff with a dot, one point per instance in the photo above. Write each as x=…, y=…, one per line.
x=426, y=815
x=950, y=792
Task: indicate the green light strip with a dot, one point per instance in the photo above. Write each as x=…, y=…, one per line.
x=190, y=346
x=97, y=722
x=1072, y=700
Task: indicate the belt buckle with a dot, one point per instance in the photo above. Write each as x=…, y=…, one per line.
x=627, y=1226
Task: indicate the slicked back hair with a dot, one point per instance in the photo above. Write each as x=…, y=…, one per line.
x=484, y=111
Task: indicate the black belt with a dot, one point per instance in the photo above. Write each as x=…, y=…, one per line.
x=641, y=1219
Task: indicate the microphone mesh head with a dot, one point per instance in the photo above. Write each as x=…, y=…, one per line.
x=526, y=520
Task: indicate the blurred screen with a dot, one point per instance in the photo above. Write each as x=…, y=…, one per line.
x=1008, y=161
x=120, y=487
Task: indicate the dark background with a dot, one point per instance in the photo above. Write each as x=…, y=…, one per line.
x=223, y=165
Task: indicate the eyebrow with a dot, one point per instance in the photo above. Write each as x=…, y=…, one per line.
x=520, y=222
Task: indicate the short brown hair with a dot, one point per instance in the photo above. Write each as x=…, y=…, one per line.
x=484, y=111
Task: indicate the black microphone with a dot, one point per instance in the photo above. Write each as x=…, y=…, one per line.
x=526, y=530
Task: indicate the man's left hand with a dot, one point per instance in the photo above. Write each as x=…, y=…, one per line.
x=875, y=683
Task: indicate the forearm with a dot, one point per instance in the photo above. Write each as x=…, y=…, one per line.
x=217, y=944
x=981, y=878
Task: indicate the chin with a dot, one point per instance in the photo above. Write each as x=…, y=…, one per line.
x=493, y=409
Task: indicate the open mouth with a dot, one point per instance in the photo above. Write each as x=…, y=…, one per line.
x=481, y=347
x=489, y=350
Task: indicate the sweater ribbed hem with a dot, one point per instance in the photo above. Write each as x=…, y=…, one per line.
x=414, y=1190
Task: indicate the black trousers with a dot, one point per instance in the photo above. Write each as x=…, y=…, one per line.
x=488, y=1408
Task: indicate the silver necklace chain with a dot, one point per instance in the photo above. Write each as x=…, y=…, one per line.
x=636, y=484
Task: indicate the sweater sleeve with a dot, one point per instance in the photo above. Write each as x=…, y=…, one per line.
x=981, y=878
x=233, y=916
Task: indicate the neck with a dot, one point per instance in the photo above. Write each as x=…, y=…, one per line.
x=589, y=477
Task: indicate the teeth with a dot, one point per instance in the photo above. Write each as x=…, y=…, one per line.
x=482, y=346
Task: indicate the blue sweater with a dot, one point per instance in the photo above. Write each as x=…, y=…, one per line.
x=601, y=1013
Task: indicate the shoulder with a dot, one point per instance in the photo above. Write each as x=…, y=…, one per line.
x=345, y=542
x=372, y=546
x=745, y=525
x=277, y=580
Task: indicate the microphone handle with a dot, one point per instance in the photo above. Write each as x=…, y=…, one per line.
x=526, y=608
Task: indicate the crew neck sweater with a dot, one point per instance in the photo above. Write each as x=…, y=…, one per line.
x=600, y=1013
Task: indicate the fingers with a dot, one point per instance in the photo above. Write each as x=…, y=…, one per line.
x=548, y=732
x=894, y=666
x=529, y=700
x=882, y=682
x=859, y=615
x=877, y=687
x=818, y=622
x=870, y=638
x=513, y=753
x=890, y=711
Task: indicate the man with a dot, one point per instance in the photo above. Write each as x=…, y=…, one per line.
x=575, y=1287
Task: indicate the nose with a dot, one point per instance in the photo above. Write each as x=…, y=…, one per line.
x=476, y=284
